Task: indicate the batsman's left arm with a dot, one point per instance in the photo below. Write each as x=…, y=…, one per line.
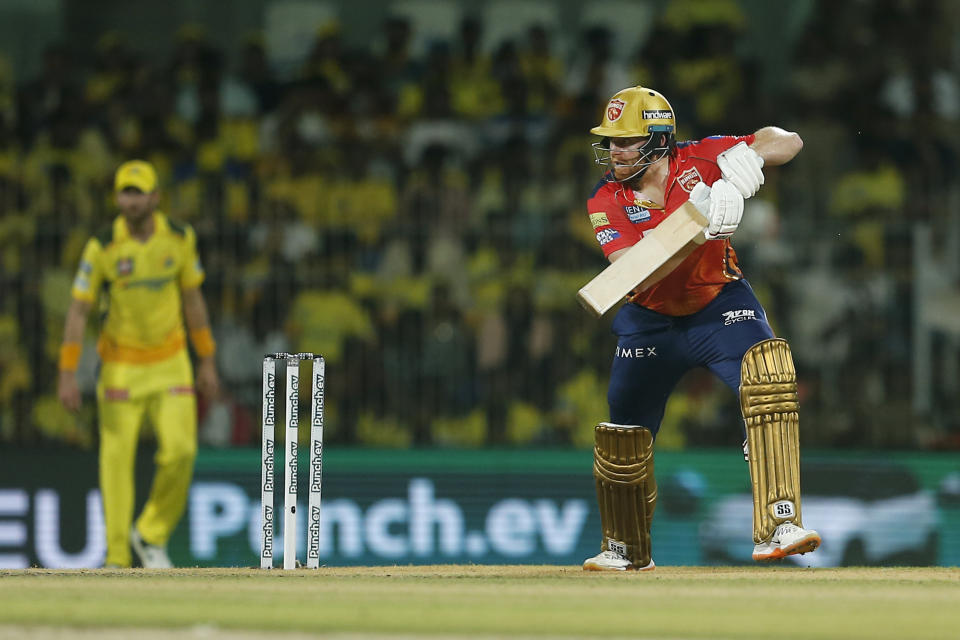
x=742, y=165
x=776, y=146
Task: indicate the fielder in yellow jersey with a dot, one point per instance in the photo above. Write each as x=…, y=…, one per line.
x=145, y=273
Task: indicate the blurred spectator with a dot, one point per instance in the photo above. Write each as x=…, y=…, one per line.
x=327, y=59
x=474, y=87
x=706, y=77
x=40, y=98
x=594, y=69
x=542, y=70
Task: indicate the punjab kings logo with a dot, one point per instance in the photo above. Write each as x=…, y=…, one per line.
x=689, y=179
x=615, y=109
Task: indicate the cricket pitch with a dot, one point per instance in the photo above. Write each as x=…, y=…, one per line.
x=481, y=601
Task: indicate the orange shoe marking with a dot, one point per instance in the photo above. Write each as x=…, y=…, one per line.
x=805, y=545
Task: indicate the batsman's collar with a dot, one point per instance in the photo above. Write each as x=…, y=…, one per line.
x=138, y=174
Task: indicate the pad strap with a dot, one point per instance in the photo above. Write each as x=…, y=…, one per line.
x=768, y=399
x=626, y=489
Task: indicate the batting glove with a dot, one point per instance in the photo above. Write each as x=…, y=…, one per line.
x=741, y=166
x=722, y=205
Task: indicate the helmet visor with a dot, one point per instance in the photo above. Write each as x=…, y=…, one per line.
x=655, y=148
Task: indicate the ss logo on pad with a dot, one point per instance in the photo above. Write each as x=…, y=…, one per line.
x=783, y=509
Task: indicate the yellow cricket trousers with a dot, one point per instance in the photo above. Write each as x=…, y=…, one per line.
x=125, y=394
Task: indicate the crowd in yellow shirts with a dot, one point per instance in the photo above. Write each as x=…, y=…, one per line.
x=417, y=217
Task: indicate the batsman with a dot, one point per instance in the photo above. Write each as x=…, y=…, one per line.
x=697, y=310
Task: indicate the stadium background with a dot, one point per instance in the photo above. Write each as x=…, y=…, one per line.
x=367, y=182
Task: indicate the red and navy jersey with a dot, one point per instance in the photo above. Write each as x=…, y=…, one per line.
x=620, y=217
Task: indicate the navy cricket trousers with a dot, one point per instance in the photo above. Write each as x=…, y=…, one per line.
x=655, y=350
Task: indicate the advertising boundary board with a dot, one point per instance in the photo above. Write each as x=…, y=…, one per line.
x=492, y=507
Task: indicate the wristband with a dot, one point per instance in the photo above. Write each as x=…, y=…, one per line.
x=69, y=356
x=203, y=342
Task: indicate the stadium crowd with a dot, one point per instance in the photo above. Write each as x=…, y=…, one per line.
x=420, y=220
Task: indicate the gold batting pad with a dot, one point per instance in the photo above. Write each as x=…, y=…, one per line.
x=626, y=489
x=768, y=399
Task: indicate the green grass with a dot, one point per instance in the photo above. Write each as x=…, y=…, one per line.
x=501, y=601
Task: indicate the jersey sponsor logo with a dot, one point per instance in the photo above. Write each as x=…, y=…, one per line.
x=657, y=114
x=605, y=236
x=599, y=219
x=689, y=179
x=168, y=262
x=615, y=109
x=124, y=266
x=114, y=393
x=637, y=213
x=86, y=267
x=154, y=284
x=637, y=352
x=740, y=315
x=181, y=390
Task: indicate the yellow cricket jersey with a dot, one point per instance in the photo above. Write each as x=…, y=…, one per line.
x=141, y=281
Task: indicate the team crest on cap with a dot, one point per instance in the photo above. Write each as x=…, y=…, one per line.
x=689, y=179
x=615, y=109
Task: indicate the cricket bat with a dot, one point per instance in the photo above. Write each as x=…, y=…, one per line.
x=642, y=260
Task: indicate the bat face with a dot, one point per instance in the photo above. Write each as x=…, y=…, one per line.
x=639, y=264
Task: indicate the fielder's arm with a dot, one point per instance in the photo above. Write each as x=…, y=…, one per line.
x=67, y=390
x=76, y=323
x=198, y=324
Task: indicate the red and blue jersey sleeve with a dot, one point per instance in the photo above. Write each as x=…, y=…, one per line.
x=613, y=229
x=710, y=148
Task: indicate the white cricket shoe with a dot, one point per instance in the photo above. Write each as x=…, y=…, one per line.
x=787, y=540
x=612, y=561
x=151, y=556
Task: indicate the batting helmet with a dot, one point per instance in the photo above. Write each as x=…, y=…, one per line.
x=637, y=112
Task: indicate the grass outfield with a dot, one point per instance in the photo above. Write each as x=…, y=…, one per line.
x=459, y=601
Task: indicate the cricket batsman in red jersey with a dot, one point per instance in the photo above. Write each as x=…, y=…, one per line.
x=703, y=313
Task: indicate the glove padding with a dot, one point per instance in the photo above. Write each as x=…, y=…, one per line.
x=741, y=166
x=721, y=204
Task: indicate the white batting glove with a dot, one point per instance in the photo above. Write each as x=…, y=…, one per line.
x=741, y=166
x=700, y=198
x=721, y=204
